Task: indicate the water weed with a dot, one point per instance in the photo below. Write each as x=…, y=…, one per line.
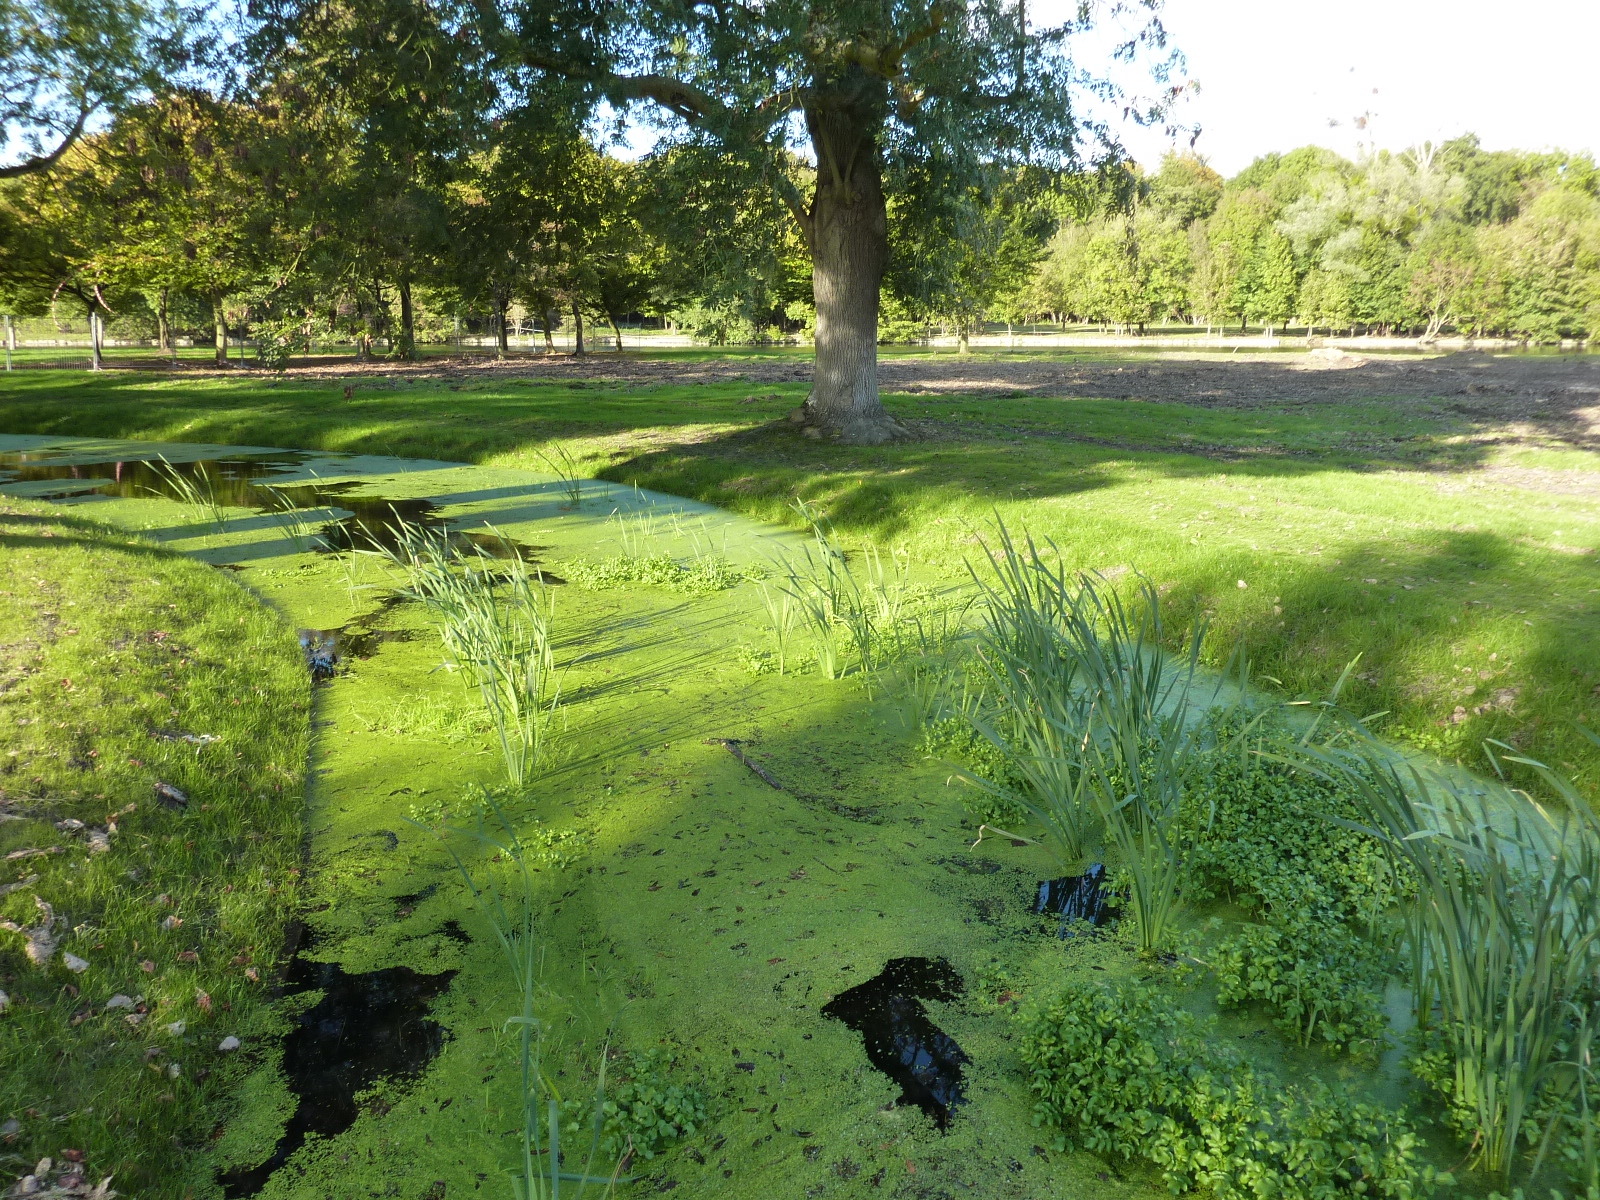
x=512, y=909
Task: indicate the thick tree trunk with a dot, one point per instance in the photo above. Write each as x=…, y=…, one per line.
x=163, y=327
x=502, y=345
x=219, y=324
x=549, y=328
x=406, y=348
x=577, y=334
x=96, y=362
x=848, y=232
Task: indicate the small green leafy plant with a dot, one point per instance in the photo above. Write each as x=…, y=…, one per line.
x=697, y=577
x=1127, y=1073
x=643, y=1112
x=1322, y=982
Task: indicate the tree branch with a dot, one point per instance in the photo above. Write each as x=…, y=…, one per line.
x=41, y=162
x=684, y=99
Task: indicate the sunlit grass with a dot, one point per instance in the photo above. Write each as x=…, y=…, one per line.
x=1369, y=528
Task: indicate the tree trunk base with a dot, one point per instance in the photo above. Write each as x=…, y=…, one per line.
x=864, y=430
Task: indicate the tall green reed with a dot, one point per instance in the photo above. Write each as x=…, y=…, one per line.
x=565, y=468
x=297, y=523
x=841, y=609
x=496, y=626
x=1093, y=715
x=196, y=492
x=1504, y=942
x=512, y=910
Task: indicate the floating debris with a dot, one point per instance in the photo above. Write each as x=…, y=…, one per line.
x=43, y=938
x=194, y=739
x=66, y=1181
x=900, y=1039
x=321, y=648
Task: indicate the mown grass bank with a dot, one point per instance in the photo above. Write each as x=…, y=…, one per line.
x=148, y=930
x=1394, y=530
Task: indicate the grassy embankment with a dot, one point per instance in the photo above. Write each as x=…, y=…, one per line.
x=1310, y=534
x=146, y=932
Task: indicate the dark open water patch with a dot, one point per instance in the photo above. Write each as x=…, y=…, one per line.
x=365, y=1028
x=900, y=1038
x=258, y=482
x=1077, y=898
x=231, y=480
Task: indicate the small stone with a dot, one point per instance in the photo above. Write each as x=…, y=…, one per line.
x=70, y=1182
x=174, y=1070
x=228, y=1044
x=5, y=1001
x=171, y=923
x=75, y=964
x=170, y=796
x=99, y=841
x=147, y=967
x=11, y=1128
x=134, y=1019
x=28, y=1185
x=70, y=825
x=119, y=1001
x=176, y=1028
x=1243, y=584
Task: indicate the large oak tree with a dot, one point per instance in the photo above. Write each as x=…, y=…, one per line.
x=903, y=101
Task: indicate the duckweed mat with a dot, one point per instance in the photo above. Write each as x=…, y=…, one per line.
x=725, y=851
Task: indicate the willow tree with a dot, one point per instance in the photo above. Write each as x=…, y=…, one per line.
x=893, y=102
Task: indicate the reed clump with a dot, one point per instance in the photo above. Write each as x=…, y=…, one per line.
x=496, y=622
x=508, y=899
x=1504, y=942
x=1093, y=716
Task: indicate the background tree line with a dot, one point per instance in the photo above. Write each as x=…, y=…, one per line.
x=1446, y=238
x=384, y=173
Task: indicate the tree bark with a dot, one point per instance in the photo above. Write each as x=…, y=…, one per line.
x=549, y=327
x=502, y=345
x=848, y=231
x=163, y=329
x=95, y=360
x=407, y=347
x=577, y=328
x=219, y=325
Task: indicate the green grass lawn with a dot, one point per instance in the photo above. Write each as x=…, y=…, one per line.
x=1308, y=535
x=156, y=926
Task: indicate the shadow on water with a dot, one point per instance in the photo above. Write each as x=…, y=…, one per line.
x=900, y=1039
x=363, y=1029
